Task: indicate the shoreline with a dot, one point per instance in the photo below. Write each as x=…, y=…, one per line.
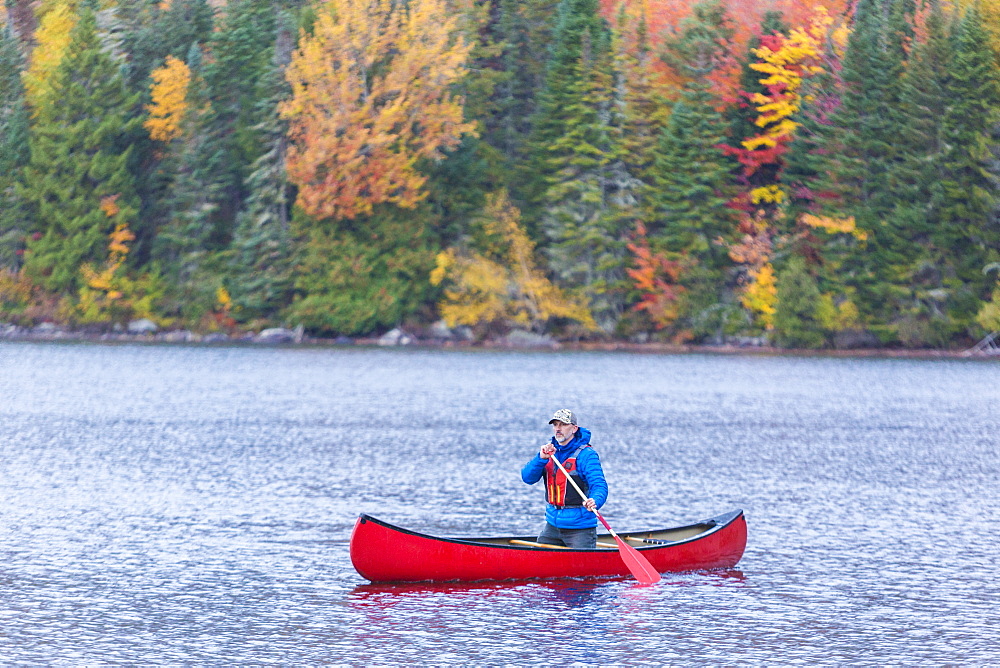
x=288, y=338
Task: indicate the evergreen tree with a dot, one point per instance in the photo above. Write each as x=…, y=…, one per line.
x=580, y=38
x=241, y=51
x=188, y=238
x=918, y=285
x=969, y=228
x=692, y=178
x=795, y=322
x=155, y=29
x=644, y=108
x=262, y=247
x=861, y=151
x=80, y=179
x=14, y=121
x=590, y=200
x=808, y=156
x=524, y=32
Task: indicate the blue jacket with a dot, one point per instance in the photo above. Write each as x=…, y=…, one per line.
x=588, y=465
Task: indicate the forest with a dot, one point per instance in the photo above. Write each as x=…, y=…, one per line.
x=806, y=174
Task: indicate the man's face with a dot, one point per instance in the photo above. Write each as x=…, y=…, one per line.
x=563, y=432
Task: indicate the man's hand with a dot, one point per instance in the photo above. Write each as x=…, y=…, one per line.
x=546, y=451
x=590, y=505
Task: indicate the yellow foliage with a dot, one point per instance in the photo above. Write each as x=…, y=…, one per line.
x=117, y=252
x=169, y=93
x=760, y=295
x=52, y=38
x=479, y=295
x=835, y=316
x=989, y=315
x=109, y=206
x=109, y=294
x=771, y=193
x=444, y=261
x=372, y=96
x=223, y=300
x=515, y=291
x=834, y=225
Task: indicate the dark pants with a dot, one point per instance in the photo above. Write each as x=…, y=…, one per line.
x=575, y=538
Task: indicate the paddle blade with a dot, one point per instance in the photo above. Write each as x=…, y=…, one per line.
x=642, y=570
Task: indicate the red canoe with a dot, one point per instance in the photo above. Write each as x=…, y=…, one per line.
x=382, y=552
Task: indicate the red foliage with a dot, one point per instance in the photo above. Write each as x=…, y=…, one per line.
x=665, y=16
x=655, y=277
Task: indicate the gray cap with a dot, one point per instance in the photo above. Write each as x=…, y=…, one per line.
x=563, y=415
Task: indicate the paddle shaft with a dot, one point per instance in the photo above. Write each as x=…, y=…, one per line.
x=642, y=570
x=582, y=495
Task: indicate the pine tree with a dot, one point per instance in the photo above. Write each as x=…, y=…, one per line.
x=14, y=153
x=241, y=51
x=155, y=29
x=693, y=178
x=262, y=249
x=916, y=180
x=861, y=151
x=580, y=38
x=524, y=32
x=692, y=175
x=643, y=100
x=969, y=227
x=80, y=179
x=188, y=234
x=591, y=199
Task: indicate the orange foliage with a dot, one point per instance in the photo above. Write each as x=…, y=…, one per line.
x=370, y=98
x=655, y=276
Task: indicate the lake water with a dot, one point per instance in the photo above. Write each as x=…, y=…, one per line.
x=192, y=505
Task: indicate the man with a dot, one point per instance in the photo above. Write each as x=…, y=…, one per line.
x=569, y=519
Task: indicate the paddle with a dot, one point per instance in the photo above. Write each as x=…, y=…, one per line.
x=642, y=570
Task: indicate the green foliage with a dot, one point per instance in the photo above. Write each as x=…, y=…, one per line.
x=357, y=277
x=891, y=173
x=580, y=41
x=191, y=231
x=692, y=181
x=989, y=314
x=262, y=249
x=523, y=32
x=155, y=29
x=13, y=150
x=968, y=226
x=80, y=180
x=236, y=76
x=797, y=323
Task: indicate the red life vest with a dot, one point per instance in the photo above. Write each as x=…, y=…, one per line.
x=558, y=491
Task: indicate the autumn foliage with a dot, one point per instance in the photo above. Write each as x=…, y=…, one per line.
x=371, y=98
x=655, y=276
x=169, y=93
x=507, y=289
x=53, y=40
